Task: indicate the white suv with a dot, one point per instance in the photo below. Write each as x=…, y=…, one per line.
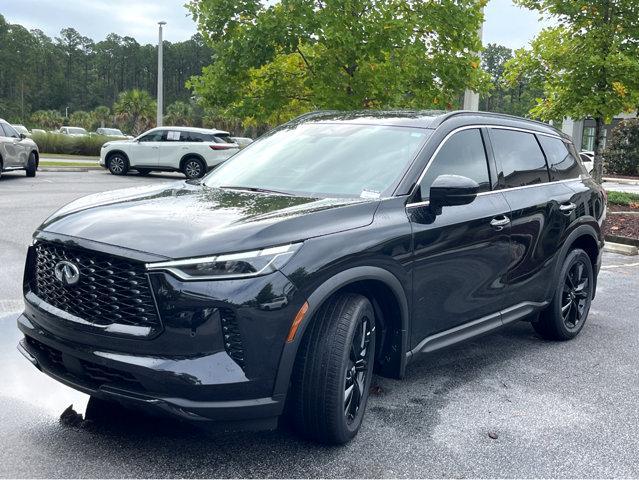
x=17, y=152
x=192, y=151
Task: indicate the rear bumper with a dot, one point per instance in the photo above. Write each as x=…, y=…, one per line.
x=144, y=381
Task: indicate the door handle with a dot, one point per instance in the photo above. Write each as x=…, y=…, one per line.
x=567, y=207
x=498, y=223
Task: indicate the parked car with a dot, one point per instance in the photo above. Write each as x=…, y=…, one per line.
x=73, y=131
x=38, y=131
x=242, y=141
x=336, y=245
x=192, y=151
x=17, y=151
x=588, y=159
x=111, y=132
x=22, y=129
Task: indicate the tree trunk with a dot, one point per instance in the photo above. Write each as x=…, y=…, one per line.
x=599, y=147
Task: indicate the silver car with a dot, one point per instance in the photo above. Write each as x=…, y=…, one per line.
x=17, y=152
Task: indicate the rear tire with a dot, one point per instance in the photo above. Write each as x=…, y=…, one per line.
x=32, y=165
x=193, y=168
x=333, y=371
x=567, y=313
x=118, y=164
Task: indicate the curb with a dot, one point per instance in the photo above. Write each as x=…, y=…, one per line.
x=622, y=181
x=629, y=250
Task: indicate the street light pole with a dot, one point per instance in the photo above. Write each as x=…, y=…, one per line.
x=471, y=99
x=160, y=76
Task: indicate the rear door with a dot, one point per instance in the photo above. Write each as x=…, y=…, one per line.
x=462, y=255
x=175, y=144
x=540, y=213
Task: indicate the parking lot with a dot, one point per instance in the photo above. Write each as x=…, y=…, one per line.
x=505, y=405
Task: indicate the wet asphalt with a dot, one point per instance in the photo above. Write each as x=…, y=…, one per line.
x=552, y=409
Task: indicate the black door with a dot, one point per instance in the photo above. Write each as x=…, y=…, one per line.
x=460, y=256
x=541, y=212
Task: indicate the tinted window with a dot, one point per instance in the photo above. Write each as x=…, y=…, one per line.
x=520, y=157
x=561, y=163
x=152, y=136
x=462, y=154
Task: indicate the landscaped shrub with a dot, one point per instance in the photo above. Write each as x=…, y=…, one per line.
x=622, y=149
x=57, y=143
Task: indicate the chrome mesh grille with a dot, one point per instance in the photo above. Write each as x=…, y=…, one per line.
x=111, y=290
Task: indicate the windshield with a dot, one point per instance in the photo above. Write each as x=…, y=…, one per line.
x=324, y=159
x=112, y=131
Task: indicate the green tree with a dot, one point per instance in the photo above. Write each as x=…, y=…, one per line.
x=273, y=61
x=47, y=119
x=587, y=65
x=180, y=114
x=136, y=110
x=102, y=117
x=83, y=119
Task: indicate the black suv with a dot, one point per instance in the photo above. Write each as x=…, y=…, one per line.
x=338, y=245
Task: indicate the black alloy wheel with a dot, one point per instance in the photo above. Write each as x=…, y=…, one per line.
x=333, y=370
x=567, y=313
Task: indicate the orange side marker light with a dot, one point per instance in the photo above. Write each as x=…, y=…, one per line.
x=296, y=322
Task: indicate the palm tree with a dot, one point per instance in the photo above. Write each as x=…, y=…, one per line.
x=136, y=109
x=80, y=118
x=102, y=116
x=179, y=114
x=47, y=119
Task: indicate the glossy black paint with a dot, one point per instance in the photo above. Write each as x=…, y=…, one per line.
x=434, y=275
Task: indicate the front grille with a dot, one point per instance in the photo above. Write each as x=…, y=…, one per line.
x=232, y=337
x=111, y=290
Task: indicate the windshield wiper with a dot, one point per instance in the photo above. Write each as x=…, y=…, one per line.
x=256, y=189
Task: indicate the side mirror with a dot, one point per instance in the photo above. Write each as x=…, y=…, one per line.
x=23, y=136
x=451, y=190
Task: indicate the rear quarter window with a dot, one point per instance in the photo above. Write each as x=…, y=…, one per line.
x=561, y=162
x=519, y=157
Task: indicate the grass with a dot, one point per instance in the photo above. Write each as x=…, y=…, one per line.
x=623, y=198
x=46, y=163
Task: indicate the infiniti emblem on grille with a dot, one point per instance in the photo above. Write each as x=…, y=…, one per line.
x=67, y=273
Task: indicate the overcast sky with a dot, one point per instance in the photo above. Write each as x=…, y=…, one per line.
x=505, y=23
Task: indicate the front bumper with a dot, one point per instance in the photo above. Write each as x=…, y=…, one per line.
x=145, y=381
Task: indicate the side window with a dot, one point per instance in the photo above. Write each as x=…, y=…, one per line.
x=561, y=163
x=172, y=136
x=9, y=131
x=462, y=154
x=521, y=159
x=3, y=133
x=155, y=136
x=192, y=137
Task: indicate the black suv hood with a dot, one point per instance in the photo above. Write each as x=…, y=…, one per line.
x=179, y=220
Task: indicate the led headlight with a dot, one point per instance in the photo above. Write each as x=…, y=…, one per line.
x=233, y=265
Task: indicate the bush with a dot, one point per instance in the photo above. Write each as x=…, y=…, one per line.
x=623, y=198
x=57, y=143
x=622, y=149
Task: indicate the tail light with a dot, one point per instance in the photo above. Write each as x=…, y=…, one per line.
x=222, y=146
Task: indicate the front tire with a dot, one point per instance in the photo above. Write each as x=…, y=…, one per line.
x=333, y=371
x=567, y=313
x=32, y=165
x=118, y=164
x=193, y=168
